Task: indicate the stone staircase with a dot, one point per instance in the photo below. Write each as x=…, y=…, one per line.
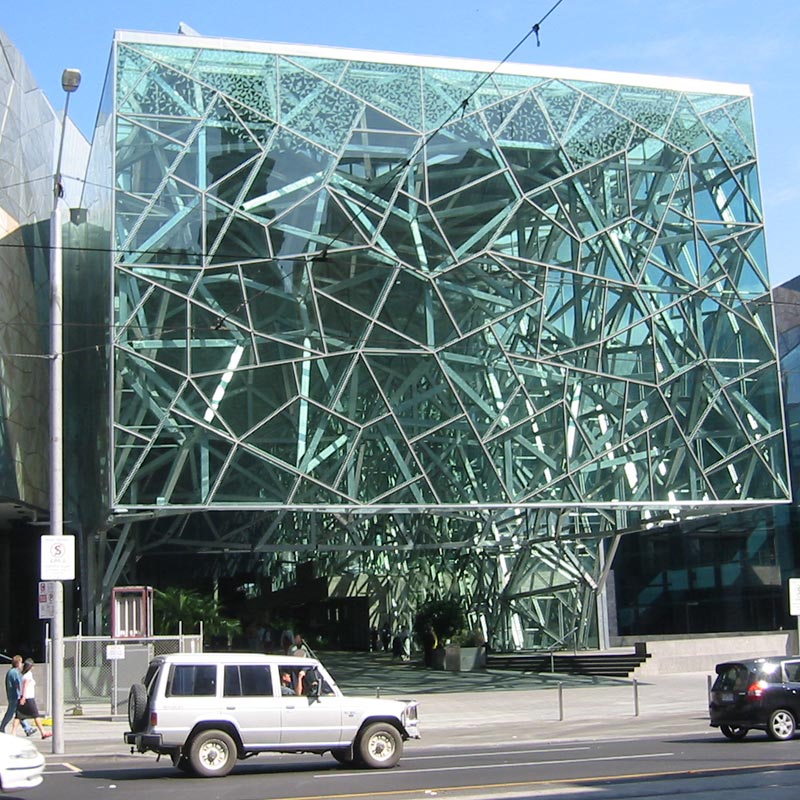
x=616, y=664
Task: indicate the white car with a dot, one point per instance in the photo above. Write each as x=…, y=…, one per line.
x=21, y=764
x=207, y=710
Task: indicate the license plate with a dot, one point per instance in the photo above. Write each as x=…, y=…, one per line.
x=727, y=697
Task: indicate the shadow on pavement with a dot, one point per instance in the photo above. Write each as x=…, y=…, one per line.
x=368, y=673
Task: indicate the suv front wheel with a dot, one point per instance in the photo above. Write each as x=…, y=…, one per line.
x=380, y=746
x=212, y=754
x=781, y=725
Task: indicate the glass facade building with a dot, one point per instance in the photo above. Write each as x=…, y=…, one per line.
x=426, y=321
x=417, y=326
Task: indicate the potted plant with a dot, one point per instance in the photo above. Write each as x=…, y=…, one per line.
x=436, y=622
x=466, y=651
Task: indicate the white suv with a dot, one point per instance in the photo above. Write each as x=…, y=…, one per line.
x=206, y=710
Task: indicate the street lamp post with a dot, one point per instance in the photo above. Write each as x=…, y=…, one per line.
x=70, y=80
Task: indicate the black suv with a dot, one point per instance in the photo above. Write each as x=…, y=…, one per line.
x=760, y=693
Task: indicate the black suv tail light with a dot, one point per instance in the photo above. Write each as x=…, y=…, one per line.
x=756, y=690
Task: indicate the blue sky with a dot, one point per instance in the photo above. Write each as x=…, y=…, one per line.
x=737, y=41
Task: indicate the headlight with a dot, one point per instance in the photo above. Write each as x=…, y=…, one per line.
x=25, y=755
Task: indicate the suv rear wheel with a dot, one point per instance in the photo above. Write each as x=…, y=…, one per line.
x=137, y=707
x=380, y=746
x=781, y=725
x=735, y=732
x=212, y=754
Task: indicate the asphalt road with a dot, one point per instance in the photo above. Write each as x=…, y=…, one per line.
x=699, y=764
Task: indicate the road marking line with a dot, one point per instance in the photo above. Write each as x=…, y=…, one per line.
x=409, y=757
x=509, y=765
x=694, y=773
x=67, y=768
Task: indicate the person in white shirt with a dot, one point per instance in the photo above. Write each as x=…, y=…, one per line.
x=27, y=708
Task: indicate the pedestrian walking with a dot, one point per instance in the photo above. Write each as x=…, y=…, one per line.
x=27, y=708
x=386, y=636
x=13, y=694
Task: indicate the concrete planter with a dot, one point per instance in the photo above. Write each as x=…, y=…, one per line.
x=464, y=659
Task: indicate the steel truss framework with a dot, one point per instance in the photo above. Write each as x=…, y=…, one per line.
x=440, y=333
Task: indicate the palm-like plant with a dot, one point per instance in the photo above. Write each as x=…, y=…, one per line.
x=175, y=605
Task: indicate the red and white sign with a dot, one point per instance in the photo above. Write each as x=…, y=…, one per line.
x=47, y=599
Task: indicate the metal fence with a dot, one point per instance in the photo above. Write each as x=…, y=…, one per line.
x=99, y=670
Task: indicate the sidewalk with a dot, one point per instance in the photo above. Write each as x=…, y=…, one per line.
x=475, y=708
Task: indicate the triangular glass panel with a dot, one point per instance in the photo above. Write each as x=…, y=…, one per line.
x=560, y=102
x=131, y=68
x=526, y=126
x=316, y=110
x=604, y=93
x=595, y=133
x=172, y=231
x=729, y=138
x=648, y=108
x=247, y=77
x=687, y=131
x=249, y=475
x=233, y=237
x=386, y=87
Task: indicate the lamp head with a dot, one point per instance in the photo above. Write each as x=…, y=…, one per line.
x=70, y=80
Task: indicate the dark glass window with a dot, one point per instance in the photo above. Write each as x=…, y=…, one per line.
x=247, y=680
x=193, y=680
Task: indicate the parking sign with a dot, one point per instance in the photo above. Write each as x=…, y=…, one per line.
x=58, y=558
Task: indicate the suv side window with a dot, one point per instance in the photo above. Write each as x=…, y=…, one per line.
x=792, y=669
x=192, y=680
x=247, y=680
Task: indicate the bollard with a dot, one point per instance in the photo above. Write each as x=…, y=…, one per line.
x=708, y=685
x=377, y=691
x=635, y=698
x=560, y=701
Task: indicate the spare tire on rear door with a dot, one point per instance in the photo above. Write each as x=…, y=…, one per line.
x=137, y=707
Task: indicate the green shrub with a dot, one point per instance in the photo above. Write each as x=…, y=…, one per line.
x=446, y=617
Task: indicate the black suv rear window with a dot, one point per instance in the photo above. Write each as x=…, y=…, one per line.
x=738, y=677
x=193, y=680
x=733, y=678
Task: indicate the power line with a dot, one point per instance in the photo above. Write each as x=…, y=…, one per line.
x=462, y=106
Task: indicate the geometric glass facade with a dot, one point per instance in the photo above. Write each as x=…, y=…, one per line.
x=333, y=292
x=426, y=319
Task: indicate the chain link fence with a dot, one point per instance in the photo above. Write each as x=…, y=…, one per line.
x=99, y=670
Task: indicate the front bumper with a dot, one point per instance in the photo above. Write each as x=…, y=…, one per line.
x=410, y=719
x=21, y=773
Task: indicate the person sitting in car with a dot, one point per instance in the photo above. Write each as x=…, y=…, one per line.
x=287, y=684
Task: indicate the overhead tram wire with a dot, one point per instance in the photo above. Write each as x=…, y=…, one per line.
x=461, y=108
